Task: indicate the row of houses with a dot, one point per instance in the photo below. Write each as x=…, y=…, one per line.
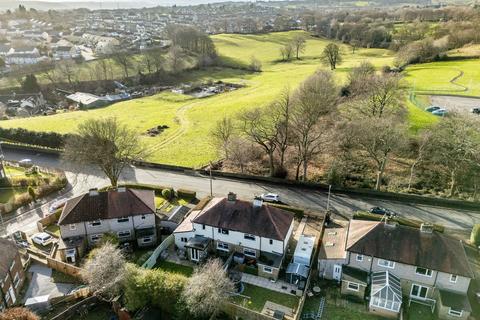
x=390, y=265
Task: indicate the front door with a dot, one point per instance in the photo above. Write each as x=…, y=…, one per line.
x=194, y=254
x=337, y=272
x=12, y=294
x=419, y=292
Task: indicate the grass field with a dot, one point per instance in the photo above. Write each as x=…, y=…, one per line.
x=186, y=142
x=259, y=296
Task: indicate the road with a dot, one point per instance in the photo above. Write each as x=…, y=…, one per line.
x=82, y=179
x=462, y=105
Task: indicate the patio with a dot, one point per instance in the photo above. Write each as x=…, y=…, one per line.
x=278, y=286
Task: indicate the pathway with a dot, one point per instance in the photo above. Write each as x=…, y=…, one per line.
x=278, y=286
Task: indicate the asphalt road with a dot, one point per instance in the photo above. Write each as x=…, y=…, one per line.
x=82, y=179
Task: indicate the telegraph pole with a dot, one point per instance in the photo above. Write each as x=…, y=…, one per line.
x=211, y=181
x=3, y=173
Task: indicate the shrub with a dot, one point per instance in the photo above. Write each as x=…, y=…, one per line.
x=475, y=236
x=31, y=192
x=186, y=194
x=167, y=194
x=19, y=313
x=299, y=213
x=142, y=186
x=362, y=215
x=109, y=237
x=202, y=203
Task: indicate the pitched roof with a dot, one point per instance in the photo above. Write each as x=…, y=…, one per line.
x=409, y=246
x=8, y=252
x=108, y=205
x=265, y=221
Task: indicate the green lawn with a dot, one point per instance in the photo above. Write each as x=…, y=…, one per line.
x=190, y=120
x=60, y=277
x=258, y=297
x=54, y=229
x=173, y=267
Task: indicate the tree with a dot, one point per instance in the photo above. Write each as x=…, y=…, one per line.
x=207, y=289
x=331, y=56
x=286, y=51
x=456, y=140
x=358, y=76
x=315, y=99
x=67, y=71
x=104, y=143
x=299, y=44
x=104, y=271
x=124, y=60
x=281, y=112
x=377, y=139
x=30, y=84
x=32, y=194
x=176, y=57
x=222, y=134
x=421, y=146
x=258, y=126
x=240, y=152
x=18, y=313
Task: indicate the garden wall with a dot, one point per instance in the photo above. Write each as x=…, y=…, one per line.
x=152, y=261
x=48, y=220
x=64, y=267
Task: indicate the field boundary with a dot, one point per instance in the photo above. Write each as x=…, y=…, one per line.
x=400, y=197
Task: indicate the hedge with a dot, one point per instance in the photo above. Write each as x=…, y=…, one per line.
x=186, y=194
x=475, y=236
x=45, y=139
x=363, y=215
x=299, y=213
x=143, y=186
x=202, y=203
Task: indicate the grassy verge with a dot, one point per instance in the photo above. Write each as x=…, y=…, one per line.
x=258, y=297
x=175, y=268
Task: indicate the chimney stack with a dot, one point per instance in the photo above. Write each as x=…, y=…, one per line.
x=93, y=192
x=232, y=197
x=121, y=189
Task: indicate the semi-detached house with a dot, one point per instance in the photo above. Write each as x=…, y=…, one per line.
x=127, y=213
x=12, y=275
x=401, y=265
x=252, y=230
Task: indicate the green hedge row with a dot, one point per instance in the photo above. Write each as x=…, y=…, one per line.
x=143, y=186
x=299, y=213
x=45, y=139
x=186, y=194
x=363, y=215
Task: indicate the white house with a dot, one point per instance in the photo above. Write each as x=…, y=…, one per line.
x=253, y=231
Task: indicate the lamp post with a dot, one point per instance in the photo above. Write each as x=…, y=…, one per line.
x=3, y=173
x=328, y=199
x=211, y=181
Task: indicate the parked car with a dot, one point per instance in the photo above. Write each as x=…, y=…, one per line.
x=432, y=108
x=42, y=238
x=57, y=205
x=26, y=163
x=475, y=110
x=270, y=197
x=382, y=211
x=440, y=112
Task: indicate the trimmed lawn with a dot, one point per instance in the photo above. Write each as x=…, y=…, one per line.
x=419, y=312
x=333, y=312
x=159, y=201
x=258, y=297
x=54, y=229
x=175, y=268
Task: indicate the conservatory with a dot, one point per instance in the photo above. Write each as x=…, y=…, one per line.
x=386, y=294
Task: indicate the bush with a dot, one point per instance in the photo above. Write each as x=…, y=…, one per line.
x=142, y=186
x=475, y=236
x=167, y=194
x=19, y=313
x=31, y=192
x=186, y=194
x=110, y=238
x=202, y=203
x=44, y=139
x=299, y=213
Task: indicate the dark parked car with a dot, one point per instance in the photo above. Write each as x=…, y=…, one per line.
x=475, y=110
x=382, y=211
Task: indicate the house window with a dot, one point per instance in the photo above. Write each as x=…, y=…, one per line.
x=386, y=263
x=419, y=291
x=353, y=286
x=13, y=265
x=121, y=220
x=267, y=270
x=184, y=239
x=73, y=227
x=249, y=236
x=96, y=223
x=423, y=272
x=124, y=234
x=249, y=252
x=359, y=257
x=222, y=231
x=95, y=237
x=455, y=313
x=147, y=240
x=203, y=226
x=271, y=241
x=222, y=246
x=16, y=280
x=453, y=278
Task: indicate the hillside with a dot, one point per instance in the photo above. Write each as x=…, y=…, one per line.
x=186, y=142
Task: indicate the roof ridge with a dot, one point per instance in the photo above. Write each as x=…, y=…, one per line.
x=131, y=190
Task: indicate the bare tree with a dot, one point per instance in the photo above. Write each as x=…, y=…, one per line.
x=260, y=129
x=222, y=134
x=377, y=139
x=331, y=55
x=124, y=60
x=176, y=57
x=315, y=99
x=286, y=51
x=421, y=146
x=358, y=77
x=299, y=43
x=51, y=75
x=240, y=152
x=104, y=143
x=105, y=270
x=282, y=108
x=68, y=71
x=207, y=289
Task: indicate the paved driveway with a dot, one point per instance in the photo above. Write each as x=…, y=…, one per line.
x=42, y=284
